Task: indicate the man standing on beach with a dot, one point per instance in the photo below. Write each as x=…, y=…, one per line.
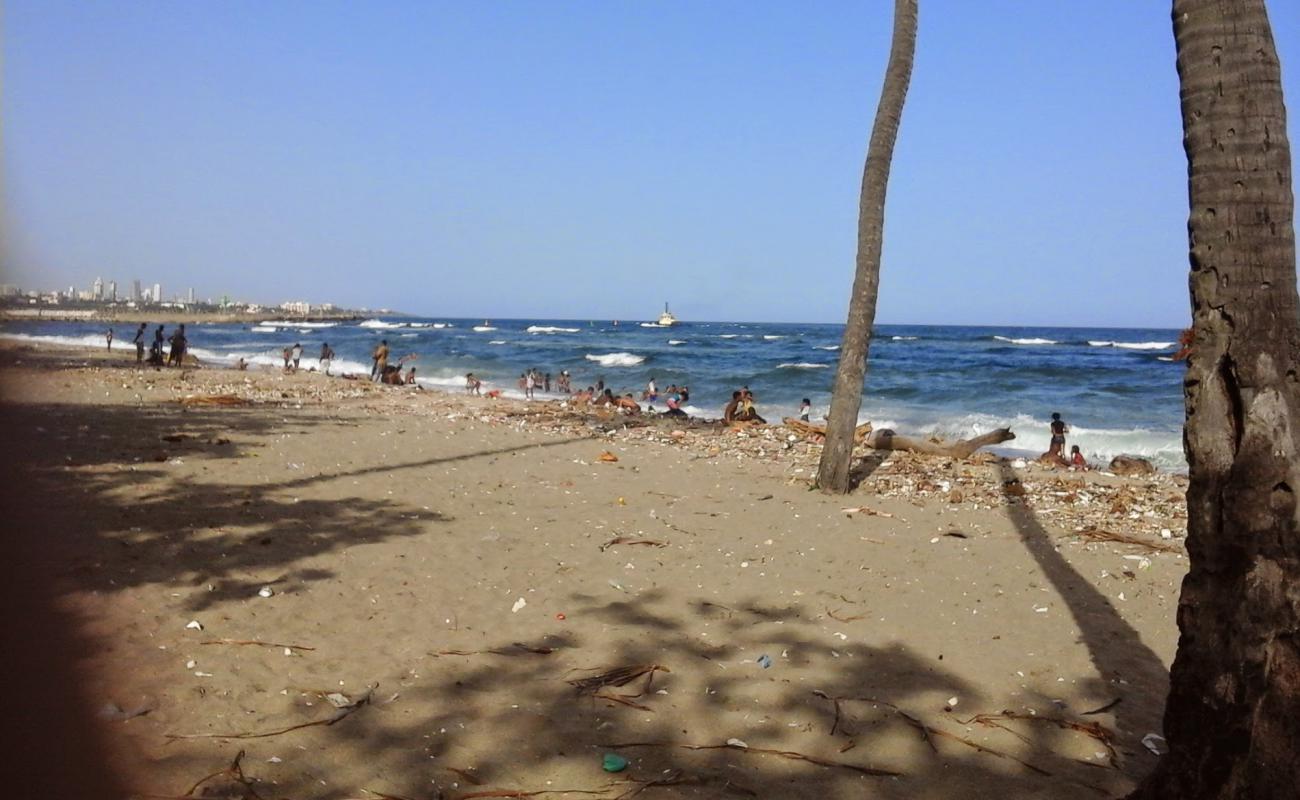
x=109, y=337
x=1057, y=446
x=155, y=349
x=326, y=357
x=177, y=354
x=139, y=343
x=297, y=355
x=380, y=357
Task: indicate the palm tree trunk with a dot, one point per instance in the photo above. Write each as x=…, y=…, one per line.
x=1233, y=716
x=846, y=396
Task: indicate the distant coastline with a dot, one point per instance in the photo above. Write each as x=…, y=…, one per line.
x=173, y=315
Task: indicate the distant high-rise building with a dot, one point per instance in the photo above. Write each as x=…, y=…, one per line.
x=112, y=291
x=157, y=292
x=190, y=298
x=135, y=290
x=97, y=289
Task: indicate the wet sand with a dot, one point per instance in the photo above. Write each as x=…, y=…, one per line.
x=469, y=558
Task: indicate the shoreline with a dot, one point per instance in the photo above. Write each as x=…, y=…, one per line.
x=472, y=556
x=171, y=316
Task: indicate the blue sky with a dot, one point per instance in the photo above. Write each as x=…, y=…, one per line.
x=592, y=160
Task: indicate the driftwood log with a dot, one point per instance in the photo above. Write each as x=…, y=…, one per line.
x=885, y=439
x=817, y=433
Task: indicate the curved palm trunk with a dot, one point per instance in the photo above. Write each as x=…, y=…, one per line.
x=846, y=396
x=1233, y=718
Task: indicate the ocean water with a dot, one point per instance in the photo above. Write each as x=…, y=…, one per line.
x=1117, y=389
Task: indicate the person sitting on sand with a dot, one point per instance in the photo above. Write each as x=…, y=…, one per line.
x=241, y=364
x=410, y=379
x=494, y=393
x=747, y=412
x=627, y=404
x=1077, y=459
x=605, y=398
x=326, y=357
x=729, y=411
x=582, y=397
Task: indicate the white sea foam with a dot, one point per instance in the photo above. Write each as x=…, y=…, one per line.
x=1024, y=341
x=407, y=335
x=904, y=338
x=92, y=340
x=288, y=323
x=616, y=359
x=771, y=336
x=827, y=347
x=497, y=341
x=727, y=335
x=379, y=323
x=802, y=365
x=1134, y=345
x=675, y=342
x=652, y=325
x=483, y=328
x=264, y=329
x=549, y=329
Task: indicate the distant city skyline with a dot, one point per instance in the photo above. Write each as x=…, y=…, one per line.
x=594, y=160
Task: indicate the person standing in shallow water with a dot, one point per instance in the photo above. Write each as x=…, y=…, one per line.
x=1059, y=429
x=380, y=357
x=109, y=337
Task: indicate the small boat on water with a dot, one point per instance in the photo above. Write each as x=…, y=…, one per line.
x=666, y=319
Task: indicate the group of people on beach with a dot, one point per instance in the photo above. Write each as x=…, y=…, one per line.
x=741, y=408
x=390, y=374
x=177, y=346
x=1055, y=454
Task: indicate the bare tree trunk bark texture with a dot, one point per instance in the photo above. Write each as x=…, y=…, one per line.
x=846, y=393
x=1233, y=715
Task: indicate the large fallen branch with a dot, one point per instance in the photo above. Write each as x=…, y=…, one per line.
x=885, y=439
x=817, y=433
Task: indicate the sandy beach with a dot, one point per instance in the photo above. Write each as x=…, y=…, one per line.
x=379, y=592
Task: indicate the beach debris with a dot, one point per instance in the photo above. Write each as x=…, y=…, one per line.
x=927, y=732
x=619, y=676
x=741, y=747
x=519, y=604
x=629, y=540
x=265, y=591
x=258, y=643
x=515, y=649
x=607, y=457
x=1155, y=743
x=114, y=712
x=764, y=661
x=350, y=705
x=613, y=762
x=1099, y=535
x=1104, y=736
x=560, y=616
x=952, y=703
x=1103, y=709
x=215, y=400
x=870, y=512
x=194, y=625
x=1131, y=465
x=886, y=439
x=233, y=773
